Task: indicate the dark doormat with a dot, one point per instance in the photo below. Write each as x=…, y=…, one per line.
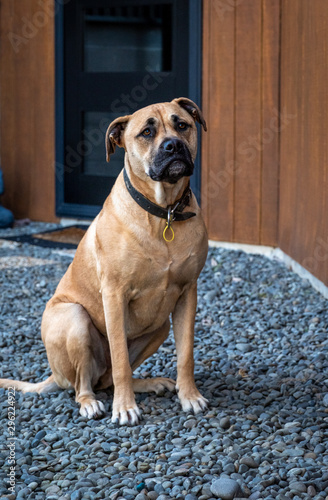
x=67, y=237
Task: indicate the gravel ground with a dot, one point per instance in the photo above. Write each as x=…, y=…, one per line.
x=261, y=359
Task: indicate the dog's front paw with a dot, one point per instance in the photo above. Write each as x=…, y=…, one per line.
x=123, y=416
x=92, y=409
x=192, y=400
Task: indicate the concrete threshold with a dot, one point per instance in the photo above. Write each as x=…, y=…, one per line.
x=65, y=221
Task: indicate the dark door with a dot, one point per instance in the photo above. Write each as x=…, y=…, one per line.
x=117, y=56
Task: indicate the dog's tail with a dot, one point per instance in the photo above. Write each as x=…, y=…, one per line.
x=47, y=385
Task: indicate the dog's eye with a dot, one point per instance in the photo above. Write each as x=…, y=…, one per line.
x=146, y=132
x=182, y=125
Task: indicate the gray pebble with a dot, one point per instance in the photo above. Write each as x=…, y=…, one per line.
x=166, y=484
x=39, y=435
x=32, y=485
x=152, y=495
x=189, y=424
x=141, y=496
x=225, y=422
x=159, y=488
x=76, y=495
x=298, y=487
x=225, y=488
x=243, y=347
x=51, y=437
x=229, y=468
x=311, y=491
x=249, y=461
x=319, y=449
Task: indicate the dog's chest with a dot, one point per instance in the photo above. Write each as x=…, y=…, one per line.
x=156, y=291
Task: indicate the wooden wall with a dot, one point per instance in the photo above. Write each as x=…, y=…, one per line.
x=303, y=225
x=240, y=152
x=27, y=108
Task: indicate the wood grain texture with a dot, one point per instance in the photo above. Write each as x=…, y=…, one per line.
x=269, y=208
x=248, y=122
x=218, y=106
x=303, y=227
x=240, y=152
x=27, y=109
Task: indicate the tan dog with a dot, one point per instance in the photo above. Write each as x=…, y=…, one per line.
x=111, y=309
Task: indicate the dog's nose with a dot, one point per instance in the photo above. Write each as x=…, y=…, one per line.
x=172, y=145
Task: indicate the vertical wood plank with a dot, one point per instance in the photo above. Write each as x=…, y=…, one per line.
x=218, y=105
x=270, y=122
x=27, y=106
x=247, y=194
x=291, y=70
x=22, y=118
x=44, y=92
x=205, y=157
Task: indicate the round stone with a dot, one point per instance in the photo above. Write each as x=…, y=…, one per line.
x=311, y=491
x=225, y=422
x=39, y=435
x=298, y=487
x=141, y=496
x=225, y=488
x=249, y=461
x=33, y=485
x=152, y=495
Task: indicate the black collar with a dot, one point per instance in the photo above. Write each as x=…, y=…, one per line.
x=171, y=213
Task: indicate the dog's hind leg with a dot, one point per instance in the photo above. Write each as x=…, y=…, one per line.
x=77, y=353
x=142, y=348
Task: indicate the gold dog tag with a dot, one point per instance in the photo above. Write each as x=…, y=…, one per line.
x=164, y=233
x=170, y=213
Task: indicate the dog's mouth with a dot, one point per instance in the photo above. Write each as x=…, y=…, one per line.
x=173, y=172
x=172, y=168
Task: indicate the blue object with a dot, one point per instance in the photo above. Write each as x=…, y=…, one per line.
x=2, y=186
x=140, y=487
x=6, y=217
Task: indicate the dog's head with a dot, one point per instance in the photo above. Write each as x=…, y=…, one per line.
x=160, y=140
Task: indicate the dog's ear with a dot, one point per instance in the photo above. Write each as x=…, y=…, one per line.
x=114, y=135
x=192, y=109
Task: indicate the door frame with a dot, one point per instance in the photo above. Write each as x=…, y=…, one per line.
x=86, y=211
